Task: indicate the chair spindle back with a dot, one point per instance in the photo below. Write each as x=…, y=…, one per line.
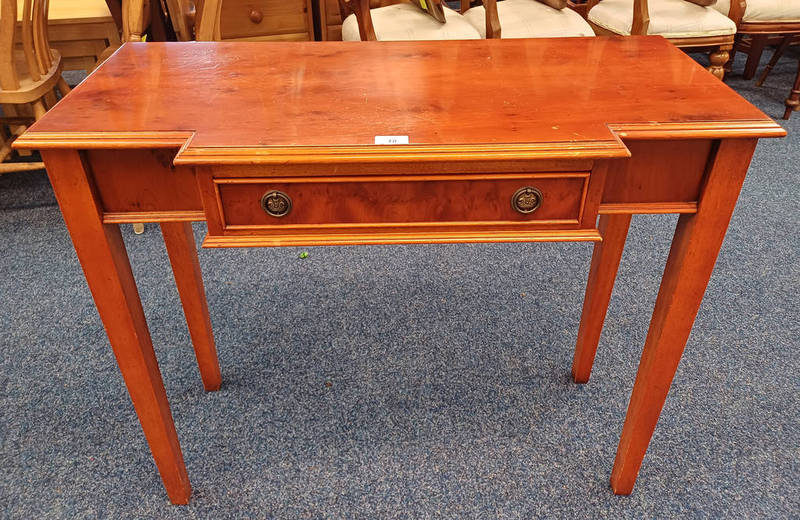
x=35, y=42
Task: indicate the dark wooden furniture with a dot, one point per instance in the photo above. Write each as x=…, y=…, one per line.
x=511, y=160
x=757, y=21
x=685, y=24
x=793, y=101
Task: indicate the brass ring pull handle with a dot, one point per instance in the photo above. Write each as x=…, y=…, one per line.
x=256, y=16
x=276, y=203
x=526, y=200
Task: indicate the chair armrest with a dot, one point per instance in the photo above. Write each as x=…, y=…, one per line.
x=641, y=17
x=360, y=8
x=736, y=12
x=493, y=29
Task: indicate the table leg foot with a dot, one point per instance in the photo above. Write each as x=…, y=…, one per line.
x=698, y=239
x=182, y=251
x=603, y=272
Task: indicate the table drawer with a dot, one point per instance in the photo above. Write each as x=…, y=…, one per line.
x=364, y=205
x=391, y=200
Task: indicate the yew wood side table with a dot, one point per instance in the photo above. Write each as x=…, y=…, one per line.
x=302, y=143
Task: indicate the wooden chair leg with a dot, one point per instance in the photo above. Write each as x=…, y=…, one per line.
x=50, y=99
x=38, y=109
x=718, y=59
x=602, y=273
x=105, y=263
x=793, y=101
x=5, y=144
x=62, y=86
x=182, y=251
x=697, y=241
x=787, y=39
x=757, y=44
x=737, y=41
x=104, y=55
x=10, y=110
x=20, y=167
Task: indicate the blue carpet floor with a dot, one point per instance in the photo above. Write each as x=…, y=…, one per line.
x=409, y=381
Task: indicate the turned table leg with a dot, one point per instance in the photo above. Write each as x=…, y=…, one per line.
x=182, y=251
x=602, y=273
x=105, y=263
x=698, y=239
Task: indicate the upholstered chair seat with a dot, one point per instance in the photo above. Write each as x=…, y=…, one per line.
x=531, y=19
x=407, y=22
x=668, y=18
x=765, y=10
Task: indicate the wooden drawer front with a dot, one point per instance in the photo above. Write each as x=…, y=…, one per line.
x=369, y=201
x=259, y=18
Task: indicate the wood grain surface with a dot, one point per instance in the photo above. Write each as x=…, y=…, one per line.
x=342, y=94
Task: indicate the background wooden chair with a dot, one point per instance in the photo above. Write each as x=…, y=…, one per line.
x=525, y=19
x=757, y=21
x=793, y=101
x=28, y=75
x=82, y=31
x=684, y=23
x=392, y=20
x=182, y=16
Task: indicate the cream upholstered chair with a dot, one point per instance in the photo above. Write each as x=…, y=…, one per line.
x=683, y=22
x=386, y=20
x=526, y=19
x=759, y=19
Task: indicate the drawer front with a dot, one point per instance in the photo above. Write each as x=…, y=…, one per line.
x=390, y=201
x=387, y=209
x=255, y=18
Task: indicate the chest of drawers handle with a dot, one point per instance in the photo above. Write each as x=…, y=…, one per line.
x=276, y=203
x=526, y=199
x=256, y=16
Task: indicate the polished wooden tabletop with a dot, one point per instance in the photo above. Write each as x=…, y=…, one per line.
x=580, y=93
